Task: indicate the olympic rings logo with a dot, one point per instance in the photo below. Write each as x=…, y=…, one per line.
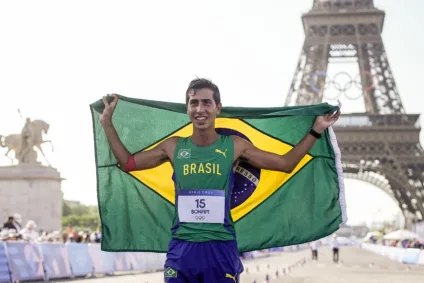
x=347, y=85
x=198, y=217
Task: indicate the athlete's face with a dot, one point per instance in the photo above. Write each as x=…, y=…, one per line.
x=202, y=109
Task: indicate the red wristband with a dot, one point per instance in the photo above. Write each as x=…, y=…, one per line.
x=130, y=166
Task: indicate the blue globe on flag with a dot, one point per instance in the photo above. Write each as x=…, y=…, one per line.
x=246, y=175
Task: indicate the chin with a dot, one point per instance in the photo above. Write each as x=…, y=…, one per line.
x=202, y=126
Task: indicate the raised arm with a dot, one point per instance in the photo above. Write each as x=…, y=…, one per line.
x=287, y=162
x=142, y=160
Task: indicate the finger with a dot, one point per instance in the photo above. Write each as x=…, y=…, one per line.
x=336, y=115
x=115, y=100
x=105, y=102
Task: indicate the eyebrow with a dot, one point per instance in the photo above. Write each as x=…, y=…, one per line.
x=203, y=100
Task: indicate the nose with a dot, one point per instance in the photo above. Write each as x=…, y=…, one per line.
x=199, y=108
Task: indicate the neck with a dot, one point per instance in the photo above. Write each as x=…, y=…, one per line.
x=204, y=137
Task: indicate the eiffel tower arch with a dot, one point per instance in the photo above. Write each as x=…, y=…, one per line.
x=383, y=141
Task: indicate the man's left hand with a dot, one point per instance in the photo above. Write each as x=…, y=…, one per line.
x=325, y=121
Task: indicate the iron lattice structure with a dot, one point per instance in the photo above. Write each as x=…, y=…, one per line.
x=385, y=139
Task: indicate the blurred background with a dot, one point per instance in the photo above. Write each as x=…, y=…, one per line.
x=57, y=57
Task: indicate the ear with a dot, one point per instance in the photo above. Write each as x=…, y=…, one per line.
x=218, y=107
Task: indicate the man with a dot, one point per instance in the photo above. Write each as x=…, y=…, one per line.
x=314, y=249
x=204, y=248
x=10, y=223
x=335, y=247
x=17, y=221
x=28, y=233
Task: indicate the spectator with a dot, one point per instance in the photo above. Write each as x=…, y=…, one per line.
x=95, y=237
x=80, y=237
x=29, y=233
x=10, y=223
x=18, y=220
x=4, y=234
x=314, y=249
x=55, y=237
x=335, y=247
x=8, y=235
x=71, y=238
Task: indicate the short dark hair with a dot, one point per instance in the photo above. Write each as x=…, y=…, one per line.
x=197, y=84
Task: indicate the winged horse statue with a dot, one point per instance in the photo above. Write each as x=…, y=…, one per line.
x=23, y=144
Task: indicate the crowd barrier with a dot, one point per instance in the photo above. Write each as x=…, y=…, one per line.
x=408, y=256
x=22, y=261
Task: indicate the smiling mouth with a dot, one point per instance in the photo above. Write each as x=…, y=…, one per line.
x=200, y=118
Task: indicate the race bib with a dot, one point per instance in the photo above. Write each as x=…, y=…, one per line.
x=201, y=206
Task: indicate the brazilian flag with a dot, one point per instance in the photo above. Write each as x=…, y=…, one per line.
x=269, y=208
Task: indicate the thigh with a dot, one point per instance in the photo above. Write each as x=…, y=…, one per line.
x=220, y=276
x=224, y=264
x=172, y=275
x=179, y=264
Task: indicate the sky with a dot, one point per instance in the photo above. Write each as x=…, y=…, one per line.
x=58, y=57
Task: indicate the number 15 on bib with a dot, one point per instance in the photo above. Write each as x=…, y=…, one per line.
x=201, y=206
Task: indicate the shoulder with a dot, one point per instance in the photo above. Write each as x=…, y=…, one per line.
x=239, y=141
x=241, y=146
x=169, y=144
x=172, y=141
x=235, y=138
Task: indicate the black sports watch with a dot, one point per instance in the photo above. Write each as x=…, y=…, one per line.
x=314, y=134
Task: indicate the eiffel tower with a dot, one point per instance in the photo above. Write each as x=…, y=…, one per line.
x=383, y=141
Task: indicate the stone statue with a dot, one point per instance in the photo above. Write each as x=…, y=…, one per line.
x=23, y=144
x=27, y=154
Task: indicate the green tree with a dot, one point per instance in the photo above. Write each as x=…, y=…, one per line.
x=80, y=216
x=66, y=209
x=82, y=222
x=80, y=210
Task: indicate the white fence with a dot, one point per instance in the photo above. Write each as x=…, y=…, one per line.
x=21, y=261
x=409, y=256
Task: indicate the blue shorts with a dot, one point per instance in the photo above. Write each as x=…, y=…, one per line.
x=211, y=262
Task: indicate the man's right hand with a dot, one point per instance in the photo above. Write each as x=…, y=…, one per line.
x=106, y=116
x=163, y=152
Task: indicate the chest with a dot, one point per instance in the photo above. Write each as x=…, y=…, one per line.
x=211, y=166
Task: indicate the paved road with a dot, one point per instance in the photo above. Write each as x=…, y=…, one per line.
x=356, y=266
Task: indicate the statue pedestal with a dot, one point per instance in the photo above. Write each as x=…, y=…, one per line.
x=34, y=192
